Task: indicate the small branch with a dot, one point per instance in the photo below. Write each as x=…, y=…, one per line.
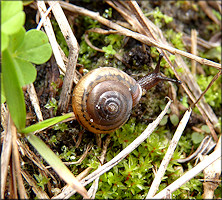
x=204, y=146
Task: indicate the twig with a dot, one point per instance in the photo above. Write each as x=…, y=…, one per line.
x=204, y=108
x=105, y=32
x=73, y=55
x=68, y=192
x=168, y=155
x=189, y=175
x=34, y=158
x=84, y=173
x=90, y=44
x=30, y=88
x=4, y=116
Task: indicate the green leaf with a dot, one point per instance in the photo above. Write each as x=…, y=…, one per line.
x=16, y=40
x=54, y=161
x=197, y=137
x=27, y=72
x=35, y=47
x=174, y=119
x=205, y=128
x=27, y=2
x=4, y=41
x=46, y=123
x=3, y=98
x=164, y=120
x=109, y=50
x=12, y=16
x=13, y=91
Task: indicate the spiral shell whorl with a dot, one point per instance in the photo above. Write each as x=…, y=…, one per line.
x=102, y=106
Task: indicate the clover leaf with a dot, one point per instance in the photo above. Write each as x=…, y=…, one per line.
x=12, y=19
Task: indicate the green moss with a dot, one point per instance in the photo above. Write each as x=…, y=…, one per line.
x=132, y=177
x=213, y=95
x=159, y=18
x=175, y=39
x=60, y=38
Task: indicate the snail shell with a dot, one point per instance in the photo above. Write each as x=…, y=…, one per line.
x=103, y=99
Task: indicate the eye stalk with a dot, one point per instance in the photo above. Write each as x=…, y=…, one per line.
x=152, y=79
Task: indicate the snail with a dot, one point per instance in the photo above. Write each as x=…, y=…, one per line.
x=103, y=99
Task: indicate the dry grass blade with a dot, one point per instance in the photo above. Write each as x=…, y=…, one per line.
x=194, y=90
x=4, y=117
x=210, y=84
x=93, y=189
x=35, y=101
x=212, y=175
x=209, y=12
x=81, y=158
x=56, y=164
x=169, y=154
x=35, y=159
x=68, y=192
x=5, y=156
x=15, y=159
x=193, y=49
x=36, y=189
x=73, y=55
x=50, y=33
x=142, y=38
x=189, y=175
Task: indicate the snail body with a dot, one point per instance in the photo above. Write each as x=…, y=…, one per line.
x=103, y=99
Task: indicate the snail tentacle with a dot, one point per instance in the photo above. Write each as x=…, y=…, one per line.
x=152, y=79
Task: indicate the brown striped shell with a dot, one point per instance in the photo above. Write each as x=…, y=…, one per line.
x=103, y=99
